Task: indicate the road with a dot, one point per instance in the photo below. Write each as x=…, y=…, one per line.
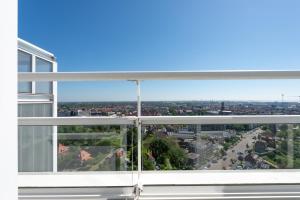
x=241, y=146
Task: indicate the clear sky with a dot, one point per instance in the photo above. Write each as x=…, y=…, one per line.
x=146, y=35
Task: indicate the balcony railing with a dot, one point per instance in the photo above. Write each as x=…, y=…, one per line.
x=168, y=178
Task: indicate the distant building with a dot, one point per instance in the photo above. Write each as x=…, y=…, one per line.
x=222, y=106
x=83, y=112
x=84, y=155
x=217, y=134
x=62, y=149
x=250, y=161
x=223, y=111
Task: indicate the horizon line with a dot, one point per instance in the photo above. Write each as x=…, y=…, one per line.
x=115, y=101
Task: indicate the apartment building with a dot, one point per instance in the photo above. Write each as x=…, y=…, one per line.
x=37, y=144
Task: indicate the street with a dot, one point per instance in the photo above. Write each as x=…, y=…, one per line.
x=232, y=153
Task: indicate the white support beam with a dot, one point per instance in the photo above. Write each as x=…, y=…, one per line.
x=233, y=119
x=33, y=70
x=169, y=192
x=183, y=177
x=77, y=179
x=158, y=75
x=61, y=121
x=148, y=120
x=54, y=114
x=139, y=127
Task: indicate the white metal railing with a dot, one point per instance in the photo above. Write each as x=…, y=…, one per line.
x=163, y=75
x=148, y=120
x=139, y=119
x=64, y=121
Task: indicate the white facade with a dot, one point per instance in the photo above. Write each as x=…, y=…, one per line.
x=37, y=145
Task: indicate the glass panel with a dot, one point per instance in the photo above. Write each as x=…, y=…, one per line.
x=95, y=148
x=24, y=62
x=24, y=65
x=35, y=142
x=43, y=66
x=35, y=110
x=24, y=87
x=43, y=88
x=221, y=147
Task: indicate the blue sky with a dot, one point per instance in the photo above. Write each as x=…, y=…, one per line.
x=119, y=35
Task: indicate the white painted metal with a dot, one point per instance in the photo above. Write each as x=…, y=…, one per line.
x=220, y=177
x=233, y=119
x=53, y=121
x=77, y=179
x=194, y=177
x=85, y=193
x=33, y=49
x=163, y=75
x=165, y=192
x=33, y=70
x=139, y=126
x=35, y=97
x=54, y=113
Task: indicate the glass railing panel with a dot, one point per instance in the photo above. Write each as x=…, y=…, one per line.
x=221, y=147
x=95, y=148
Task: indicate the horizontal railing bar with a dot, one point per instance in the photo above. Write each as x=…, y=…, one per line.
x=233, y=119
x=148, y=120
x=174, y=178
x=53, y=121
x=159, y=75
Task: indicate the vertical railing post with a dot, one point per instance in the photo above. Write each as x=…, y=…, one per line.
x=139, y=186
x=139, y=127
x=54, y=114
